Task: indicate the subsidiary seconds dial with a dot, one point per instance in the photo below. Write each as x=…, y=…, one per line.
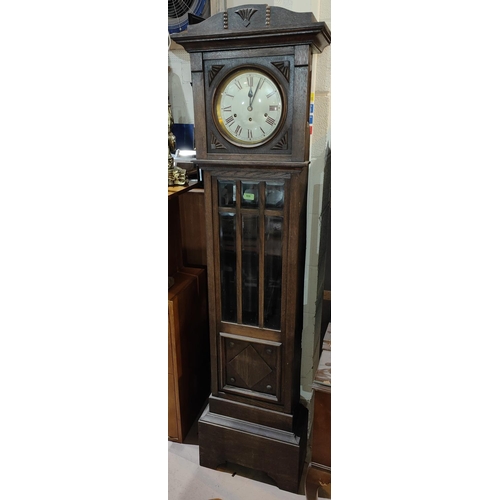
x=248, y=107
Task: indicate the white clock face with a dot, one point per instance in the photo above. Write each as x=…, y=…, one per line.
x=248, y=107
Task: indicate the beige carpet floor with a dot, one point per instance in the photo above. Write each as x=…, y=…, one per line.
x=188, y=481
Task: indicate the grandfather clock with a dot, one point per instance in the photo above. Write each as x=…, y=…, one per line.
x=251, y=73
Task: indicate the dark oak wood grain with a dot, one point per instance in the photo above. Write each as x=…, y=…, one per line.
x=285, y=28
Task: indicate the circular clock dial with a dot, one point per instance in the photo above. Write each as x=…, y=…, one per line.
x=248, y=107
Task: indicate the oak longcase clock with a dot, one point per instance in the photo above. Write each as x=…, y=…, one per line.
x=251, y=73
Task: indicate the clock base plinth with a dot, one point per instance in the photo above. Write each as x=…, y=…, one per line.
x=280, y=454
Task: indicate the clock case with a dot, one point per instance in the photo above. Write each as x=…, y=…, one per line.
x=259, y=421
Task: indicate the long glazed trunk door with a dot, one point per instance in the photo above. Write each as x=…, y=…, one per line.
x=251, y=222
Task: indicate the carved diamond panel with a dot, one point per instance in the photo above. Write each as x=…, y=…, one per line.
x=250, y=366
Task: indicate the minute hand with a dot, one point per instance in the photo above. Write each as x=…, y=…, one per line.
x=259, y=85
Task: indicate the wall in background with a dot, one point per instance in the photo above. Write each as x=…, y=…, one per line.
x=180, y=96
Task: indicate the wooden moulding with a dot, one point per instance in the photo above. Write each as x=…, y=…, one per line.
x=242, y=411
x=258, y=27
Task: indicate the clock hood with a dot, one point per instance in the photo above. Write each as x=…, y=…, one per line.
x=256, y=25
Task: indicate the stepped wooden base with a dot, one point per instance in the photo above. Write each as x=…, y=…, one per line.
x=278, y=453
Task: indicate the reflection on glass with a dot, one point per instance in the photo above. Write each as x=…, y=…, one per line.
x=250, y=194
x=275, y=194
x=272, y=272
x=250, y=269
x=227, y=193
x=227, y=224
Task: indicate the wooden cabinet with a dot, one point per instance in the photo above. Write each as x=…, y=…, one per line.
x=319, y=471
x=188, y=370
x=188, y=343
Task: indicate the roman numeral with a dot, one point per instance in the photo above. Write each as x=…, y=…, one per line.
x=229, y=120
x=238, y=131
x=262, y=130
x=273, y=107
x=227, y=108
x=229, y=95
x=261, y=82
x=270, y=120
x=250, y=134
x=250, y=80
x=238, y=84
x=271, y=94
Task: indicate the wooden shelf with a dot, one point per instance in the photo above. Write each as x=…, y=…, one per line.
x=177, y=190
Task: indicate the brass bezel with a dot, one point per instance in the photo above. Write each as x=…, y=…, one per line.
x=217, y=96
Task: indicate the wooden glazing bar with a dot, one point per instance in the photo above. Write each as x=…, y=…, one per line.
x=239, y=278
x=262, y=201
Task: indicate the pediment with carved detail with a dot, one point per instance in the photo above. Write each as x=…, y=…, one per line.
x=246, y=15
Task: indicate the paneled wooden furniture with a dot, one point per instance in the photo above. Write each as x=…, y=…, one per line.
x=251, y=75
x=193, y=228
x=188, y=371
x=188, y=344
x=319, y=471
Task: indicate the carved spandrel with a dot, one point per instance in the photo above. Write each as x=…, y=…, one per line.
x=214, y=70
x=215, y=144
x=284, y=67
x=282, y=143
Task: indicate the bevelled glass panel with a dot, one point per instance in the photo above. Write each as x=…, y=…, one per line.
x=227, y=193
x=273, y=251
x=250, y=269
x=275, y=194
x=227, y=225
x=250, y=194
